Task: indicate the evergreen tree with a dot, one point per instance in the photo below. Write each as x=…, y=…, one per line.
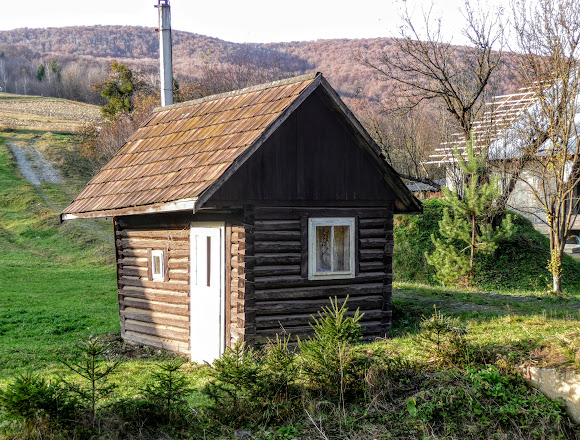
x=118, y=90
x=55, y=69
x=466, y=227
x=40, y=72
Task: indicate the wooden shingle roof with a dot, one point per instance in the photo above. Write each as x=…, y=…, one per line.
x=183, y=150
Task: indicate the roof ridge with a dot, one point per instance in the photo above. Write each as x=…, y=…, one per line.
x=278, y=83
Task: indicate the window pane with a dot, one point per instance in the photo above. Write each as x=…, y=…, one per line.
x=341, y=248
x=156, y=265
x=323, y=248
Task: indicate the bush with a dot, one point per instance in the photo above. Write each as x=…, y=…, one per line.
x=33, y=400
x=445, y=336
x=249, y=386
x=168, y=391
x=333, y=364
x=519, y=262
x=484, y=404
x=92, y=372
x=234, y=385
x=279, y=373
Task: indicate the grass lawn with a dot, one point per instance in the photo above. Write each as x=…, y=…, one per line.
x=45, y=307
x=57, y=281
x=539, y=330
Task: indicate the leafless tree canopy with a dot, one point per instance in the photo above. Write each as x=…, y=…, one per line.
x=428, y=67
x=548, y=38
x=406, y=138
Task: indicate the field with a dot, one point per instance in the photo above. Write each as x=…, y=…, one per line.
x=50, y=114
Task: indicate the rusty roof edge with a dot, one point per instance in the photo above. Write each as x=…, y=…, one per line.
x=256, y=88
x=258, y=142
x=390, y=175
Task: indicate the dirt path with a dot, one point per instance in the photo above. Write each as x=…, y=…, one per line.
x=33, y=165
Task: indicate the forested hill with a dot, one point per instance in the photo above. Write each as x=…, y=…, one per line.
x=139, y=46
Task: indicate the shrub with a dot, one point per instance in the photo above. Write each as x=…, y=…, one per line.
x=250, y=386
x=168, y=391
x=442, y=333
x=32, y=399
x=279, y=373
x=519, y=262
x=234, y=384
x=412, y=235
x=333, y=365
x=93, y=373
x=483, y=404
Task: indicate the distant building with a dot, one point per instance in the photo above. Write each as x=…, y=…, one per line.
x=425, y=191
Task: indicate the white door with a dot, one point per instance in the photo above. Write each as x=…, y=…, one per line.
x=207, y=291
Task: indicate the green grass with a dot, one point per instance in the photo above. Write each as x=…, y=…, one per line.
x=57, y=281
x=543, y=330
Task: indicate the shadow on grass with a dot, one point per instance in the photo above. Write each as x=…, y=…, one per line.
x=412, y=304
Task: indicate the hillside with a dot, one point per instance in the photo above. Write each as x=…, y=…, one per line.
x=138, y=46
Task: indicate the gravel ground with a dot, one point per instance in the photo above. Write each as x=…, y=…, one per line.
x=33, y=165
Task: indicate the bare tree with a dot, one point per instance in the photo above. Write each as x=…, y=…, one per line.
x=427, y=67
x=3, y=73
x=405, y=138
x=548, y=38
x=239, y=70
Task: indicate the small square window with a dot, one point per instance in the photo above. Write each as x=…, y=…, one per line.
x=157, y=265
x=331, y=248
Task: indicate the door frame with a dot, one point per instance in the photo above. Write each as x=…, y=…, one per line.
x=220, y=226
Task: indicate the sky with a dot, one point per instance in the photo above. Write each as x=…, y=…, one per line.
x=241, y=21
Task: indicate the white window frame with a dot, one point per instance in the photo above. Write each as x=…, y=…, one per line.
x=330, y=221
x=158, y=276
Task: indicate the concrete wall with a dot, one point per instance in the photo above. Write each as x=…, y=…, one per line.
x=555, y=384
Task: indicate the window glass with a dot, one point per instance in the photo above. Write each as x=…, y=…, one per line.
x=156, y=265
x=341, y=246
x=157, y=262
x=323, y=245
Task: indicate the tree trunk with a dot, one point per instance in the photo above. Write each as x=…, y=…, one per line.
x=473, y=225
x=556, y=283
x=557, y=243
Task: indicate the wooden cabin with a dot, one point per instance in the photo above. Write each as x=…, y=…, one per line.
x=238, y=215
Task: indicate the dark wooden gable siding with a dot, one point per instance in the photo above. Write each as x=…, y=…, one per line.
x=311, y=157
x=312, y=166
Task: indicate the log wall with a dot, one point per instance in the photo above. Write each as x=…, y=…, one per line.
x=156, y=312
x=283, y=299
x=235, y=284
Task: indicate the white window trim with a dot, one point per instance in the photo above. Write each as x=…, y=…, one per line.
x=329, y=221
x=158, y=276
